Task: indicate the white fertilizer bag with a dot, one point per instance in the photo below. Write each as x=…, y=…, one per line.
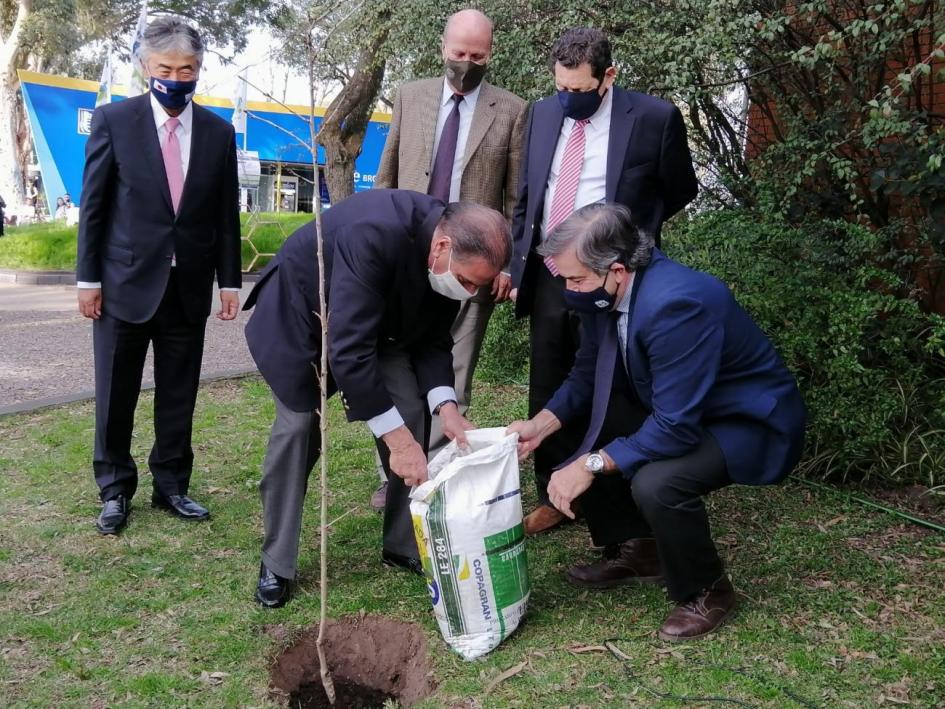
x=468, y=522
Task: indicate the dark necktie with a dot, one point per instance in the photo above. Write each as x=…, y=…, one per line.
x=442, y=174
x=603, y=383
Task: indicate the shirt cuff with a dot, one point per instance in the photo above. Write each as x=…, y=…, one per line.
x=88, y=284
x=437, y=395
x=385, y=422
x=234, y=289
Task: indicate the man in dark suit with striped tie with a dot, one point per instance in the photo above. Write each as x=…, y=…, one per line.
x=719, y=406
x=592, y=142
x=159, y=217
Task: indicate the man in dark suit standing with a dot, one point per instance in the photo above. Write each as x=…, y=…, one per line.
x=397, y=265
x=719, y=407
x=159, y=216
x=592, y=142
x=458, y=138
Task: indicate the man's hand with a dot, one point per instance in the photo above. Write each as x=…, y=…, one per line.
x=90, y=302
x=569, y=483
x=454, y=424
x=513, y=295
x=532, y=432
x=407, y=459
x=229, y=304
x=501, y=287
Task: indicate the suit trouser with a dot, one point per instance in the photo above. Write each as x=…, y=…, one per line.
x=554, y=342
x=294, y=446
x=663, y=500
x=120, y=349
x=469, y=330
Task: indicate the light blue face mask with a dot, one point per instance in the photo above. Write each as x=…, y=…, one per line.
x=446, y=284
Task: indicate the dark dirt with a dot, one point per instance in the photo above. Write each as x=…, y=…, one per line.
x=916, y=500
x=347, y=696
x=371, y=659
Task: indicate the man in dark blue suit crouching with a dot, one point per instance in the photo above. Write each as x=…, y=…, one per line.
x=685, y=395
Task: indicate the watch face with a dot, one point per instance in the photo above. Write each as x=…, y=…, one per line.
x=594, y=463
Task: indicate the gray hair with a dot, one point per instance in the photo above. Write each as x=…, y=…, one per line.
x=477, y=231
x=167, y=34
x=601, y=234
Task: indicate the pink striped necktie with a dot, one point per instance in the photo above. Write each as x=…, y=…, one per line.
x=173, y=164
x=566, y=186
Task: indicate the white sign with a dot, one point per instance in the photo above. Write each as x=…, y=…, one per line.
x=85, y=121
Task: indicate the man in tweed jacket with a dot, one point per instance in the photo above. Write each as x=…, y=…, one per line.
x=484, y=168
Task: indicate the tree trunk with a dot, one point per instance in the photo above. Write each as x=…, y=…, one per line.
x=11, y=110
x=346, y=120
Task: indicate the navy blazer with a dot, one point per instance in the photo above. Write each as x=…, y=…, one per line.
x=127, y=227
x=377, y=244
x=699, y=364
x=649, y=170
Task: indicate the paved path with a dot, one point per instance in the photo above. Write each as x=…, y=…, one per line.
x=46, y=346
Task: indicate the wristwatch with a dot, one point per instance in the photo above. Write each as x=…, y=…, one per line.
x=436, y=411
x=594, y=463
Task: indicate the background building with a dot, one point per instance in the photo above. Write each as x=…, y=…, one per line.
x=60, y=113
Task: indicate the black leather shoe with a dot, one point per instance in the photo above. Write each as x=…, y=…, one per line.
x=271, y=591
x=114, y=515
x=407, y=563
x=180, y=505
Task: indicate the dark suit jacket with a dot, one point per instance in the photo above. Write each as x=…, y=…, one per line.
x=127, y=226
x=649, y=170
x=698, y=364
x=376, y=248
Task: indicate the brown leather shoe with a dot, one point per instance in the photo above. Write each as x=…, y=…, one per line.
x=701, y=615
x=541, y=519
x=634, y=561
x=379, y=498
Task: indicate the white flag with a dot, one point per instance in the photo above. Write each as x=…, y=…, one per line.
x=105, y=83
x=137, y=84
x=239, y=105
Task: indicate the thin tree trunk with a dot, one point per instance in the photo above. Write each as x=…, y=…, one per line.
x=322, y=374
x=11, y=55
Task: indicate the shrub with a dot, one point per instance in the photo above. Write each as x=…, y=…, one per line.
x=868, y=362
x=52, y=246
x=504, y=356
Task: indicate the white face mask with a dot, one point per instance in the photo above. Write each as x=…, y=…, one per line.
x=446, y=284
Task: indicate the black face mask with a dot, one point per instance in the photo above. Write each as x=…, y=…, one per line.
x=464, y=76
x=595, y=301
x=580, y=104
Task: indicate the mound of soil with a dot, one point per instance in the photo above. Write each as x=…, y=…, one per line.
x=372, y=659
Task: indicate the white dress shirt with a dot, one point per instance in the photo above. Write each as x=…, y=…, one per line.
x=623, y=322
x=466, y=109
x=592, y=185
x=184, y=131
x=391, y=419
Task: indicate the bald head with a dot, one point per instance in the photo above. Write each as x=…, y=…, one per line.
x=468, y=37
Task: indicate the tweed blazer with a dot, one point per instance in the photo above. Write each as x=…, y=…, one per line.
x=493, y=148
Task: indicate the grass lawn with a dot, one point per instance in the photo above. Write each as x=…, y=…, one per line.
x=840, y=606
x=52, y=246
